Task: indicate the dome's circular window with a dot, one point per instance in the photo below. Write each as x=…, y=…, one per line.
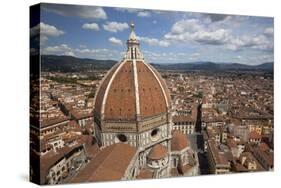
x=121, y=138
x=155, y=134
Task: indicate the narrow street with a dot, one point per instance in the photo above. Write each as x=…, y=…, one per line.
x=197, y=144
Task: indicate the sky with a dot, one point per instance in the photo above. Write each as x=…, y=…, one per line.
x=165, y=36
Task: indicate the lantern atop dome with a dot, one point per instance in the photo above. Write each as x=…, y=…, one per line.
x=133, y=45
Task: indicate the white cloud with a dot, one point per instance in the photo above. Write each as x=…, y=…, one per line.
x=43, y=39
x=115, y=41
x=69, y=54
x=96, y=13
x=170, y=57
x=138, y=12
x=188, y=25
x=91, y=26
x=49, y=30
x=226, y=21
x=259, y=42
x=269, y=31
x=154, y=41
x=115, y=26
x=44, y=31
x=96, y=53
x=88, y=12
x=196, y=54
x=217, y=37
x=144, y=14
x=194, y=30
x=61, y=49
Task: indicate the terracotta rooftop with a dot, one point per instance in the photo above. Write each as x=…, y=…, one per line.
x=184, y=118
x=79, y=116
x=49, y=122
x=238, y=167
x=254, y=135
x=157, y=152
x=179, y=141
x=266, y=156
x=218, y=157
x=145, y=174
x=231, y=143
x=109, y=164
x=264, y=147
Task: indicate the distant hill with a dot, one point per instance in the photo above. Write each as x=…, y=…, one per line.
x=211, y=66
x=266, y=66
x=72, y=64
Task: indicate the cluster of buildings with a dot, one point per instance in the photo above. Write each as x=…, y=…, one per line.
x=60, y=132
x=232, y=111
x=237, y=122
x=80, y=130
x=185, y=96
x=82, y=138
x=75, y=137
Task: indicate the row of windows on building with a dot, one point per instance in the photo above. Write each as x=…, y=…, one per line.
x=184, y=123
x=185, y=129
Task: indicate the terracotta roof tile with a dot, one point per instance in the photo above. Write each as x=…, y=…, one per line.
x=264, y=147
x=120, y=103
x=179, y=141
x=254, y=135
x=145, y=174
x=107, y=164
x=152, y=99
x=157, y=152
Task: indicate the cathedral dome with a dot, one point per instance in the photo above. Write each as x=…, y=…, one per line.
x=132, y=90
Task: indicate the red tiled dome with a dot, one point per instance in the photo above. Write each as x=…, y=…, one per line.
x=179, y=141
x=132, y=88
x=157, y=152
